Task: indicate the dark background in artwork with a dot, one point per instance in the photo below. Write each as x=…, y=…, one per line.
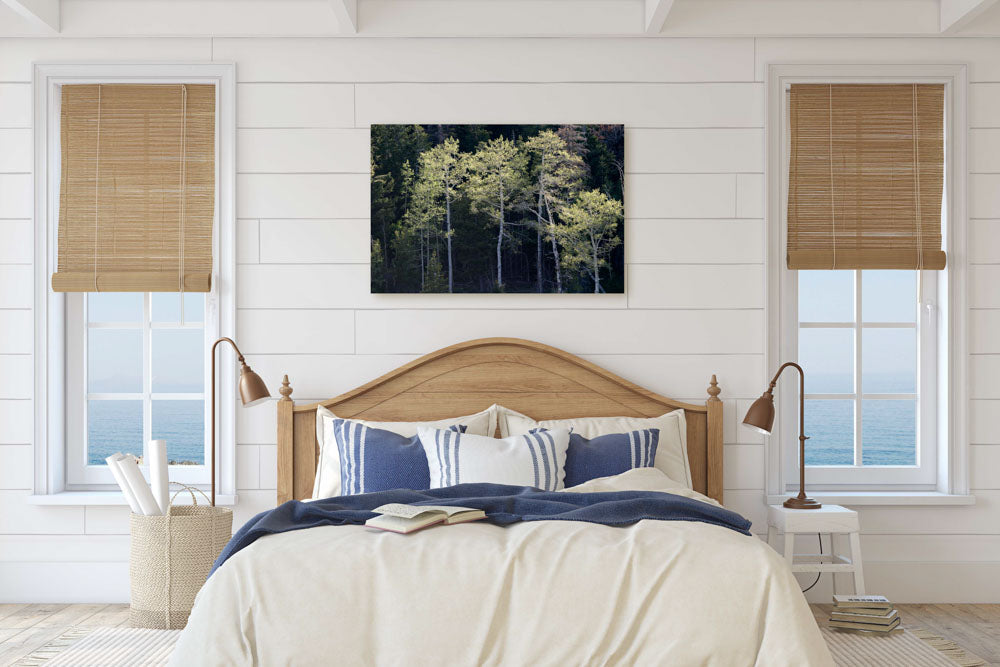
x=404, y=260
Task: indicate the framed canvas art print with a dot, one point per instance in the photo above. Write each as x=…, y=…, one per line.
x=497, y=208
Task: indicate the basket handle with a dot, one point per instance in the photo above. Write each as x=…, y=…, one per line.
x=189, y=489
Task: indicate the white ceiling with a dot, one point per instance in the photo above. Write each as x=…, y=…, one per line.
x=421, y=18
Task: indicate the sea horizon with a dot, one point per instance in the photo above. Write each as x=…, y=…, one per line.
x=116, y=426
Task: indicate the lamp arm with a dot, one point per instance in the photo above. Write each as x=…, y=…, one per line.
x=781, y=368
x=802, y=422
x=239, y=355
x=802, y=395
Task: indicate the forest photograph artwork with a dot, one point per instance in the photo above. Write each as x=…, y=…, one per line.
x=497, y=208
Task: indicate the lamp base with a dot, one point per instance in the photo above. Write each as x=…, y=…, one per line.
x=802, y=504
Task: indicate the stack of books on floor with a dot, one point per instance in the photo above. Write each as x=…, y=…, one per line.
x=864, y=613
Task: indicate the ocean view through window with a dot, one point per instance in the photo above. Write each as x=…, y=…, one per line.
x=858, y=341
x=145, y=374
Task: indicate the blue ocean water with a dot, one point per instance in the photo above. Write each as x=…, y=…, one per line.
x=888, y=432
x=116, y=426
x=888, y=426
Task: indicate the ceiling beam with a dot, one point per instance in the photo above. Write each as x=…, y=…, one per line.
x=347, y=14
x=656, y=15
x=44, y=13
x=958, y=14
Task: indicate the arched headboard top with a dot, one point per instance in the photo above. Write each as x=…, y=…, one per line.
x=541, y=381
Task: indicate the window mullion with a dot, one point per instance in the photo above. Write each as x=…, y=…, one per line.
x=858, y=389
x=147, y=374
x=84, y=395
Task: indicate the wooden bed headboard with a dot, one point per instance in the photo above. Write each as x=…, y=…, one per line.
x=541, y=381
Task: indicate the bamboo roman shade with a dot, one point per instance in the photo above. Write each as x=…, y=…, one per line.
x=866, y=176
x=137, y=193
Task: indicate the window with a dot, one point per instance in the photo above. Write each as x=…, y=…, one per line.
x=116, y=369
x=136, y=371
x=861, y=338
x=883, y=349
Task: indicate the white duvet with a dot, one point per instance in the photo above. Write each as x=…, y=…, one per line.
x=538, y=593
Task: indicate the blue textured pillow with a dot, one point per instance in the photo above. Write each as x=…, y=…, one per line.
x=372, y=459
x=610, y=454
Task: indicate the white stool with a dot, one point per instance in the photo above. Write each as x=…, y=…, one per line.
x=832, y=519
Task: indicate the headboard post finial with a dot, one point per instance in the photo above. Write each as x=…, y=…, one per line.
x=285, y=390
x=286, y=443
x=713, y=446
x=713, y=389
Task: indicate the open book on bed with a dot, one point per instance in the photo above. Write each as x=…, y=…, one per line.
x=402, y=518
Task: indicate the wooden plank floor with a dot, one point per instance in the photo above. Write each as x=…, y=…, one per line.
x=974, y=627
x=26, y=627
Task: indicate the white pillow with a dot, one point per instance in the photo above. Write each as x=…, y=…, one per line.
x=671, y=452
x=327, y=482
x=639, y=479
x=536, y=459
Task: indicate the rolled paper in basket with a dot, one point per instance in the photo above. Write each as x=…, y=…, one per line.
x=158, y=474
x=136, y=482
x=122, y=483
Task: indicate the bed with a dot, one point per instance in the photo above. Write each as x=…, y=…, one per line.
x=544, y=592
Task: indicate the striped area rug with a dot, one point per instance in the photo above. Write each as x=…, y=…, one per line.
x=914, y=648
x=101, y=647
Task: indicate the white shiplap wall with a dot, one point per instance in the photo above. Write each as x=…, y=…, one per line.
x=694, y=111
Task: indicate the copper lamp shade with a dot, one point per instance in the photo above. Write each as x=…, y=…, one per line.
x=760, y=417
x=252, y=388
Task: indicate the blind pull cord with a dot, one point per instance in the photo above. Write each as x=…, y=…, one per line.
x=916, y=183
x=97, y=188
x=833, y=205
x=180, y=240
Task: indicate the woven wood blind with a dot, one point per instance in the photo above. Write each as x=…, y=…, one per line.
x=866, y=176
x=137, y=190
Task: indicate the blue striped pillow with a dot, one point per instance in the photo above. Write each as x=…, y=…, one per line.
x=610, y=454
x=372, y=459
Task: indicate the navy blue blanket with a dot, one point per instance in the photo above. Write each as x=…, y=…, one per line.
x=503, y=505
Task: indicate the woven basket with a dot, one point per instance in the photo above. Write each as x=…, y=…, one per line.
x=170, y=559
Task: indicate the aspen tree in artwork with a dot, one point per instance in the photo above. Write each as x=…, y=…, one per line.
x=497, y=208
x=590, y=233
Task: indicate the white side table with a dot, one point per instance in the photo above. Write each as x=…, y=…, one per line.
x=832, y=519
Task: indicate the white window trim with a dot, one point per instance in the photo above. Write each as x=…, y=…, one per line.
x=82, y=477
x=951, y=485
x=49, y=307
x=914, y=478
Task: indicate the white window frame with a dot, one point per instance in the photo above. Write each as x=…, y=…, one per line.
x=80, y=475
x=945, y=308
x=923, y=475
x=51, y=482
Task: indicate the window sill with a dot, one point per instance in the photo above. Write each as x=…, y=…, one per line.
x=112, y=498
x=851, y=498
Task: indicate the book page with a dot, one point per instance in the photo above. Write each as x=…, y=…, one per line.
x=398, y=524
x=406, y=511
x=449, y=510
